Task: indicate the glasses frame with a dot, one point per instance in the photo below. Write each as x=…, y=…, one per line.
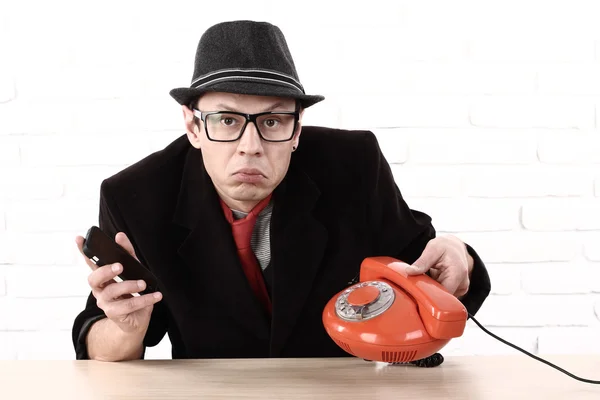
x=249, y=118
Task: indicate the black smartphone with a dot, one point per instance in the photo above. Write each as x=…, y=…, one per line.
x=102, y=250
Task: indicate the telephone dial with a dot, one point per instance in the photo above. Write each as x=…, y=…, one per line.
x=392, y=317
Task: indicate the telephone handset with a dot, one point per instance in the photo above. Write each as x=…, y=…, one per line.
x=391, y=316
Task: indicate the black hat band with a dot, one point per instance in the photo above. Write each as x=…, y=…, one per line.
x=256, y=75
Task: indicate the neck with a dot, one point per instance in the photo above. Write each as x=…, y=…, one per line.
x=242, y=206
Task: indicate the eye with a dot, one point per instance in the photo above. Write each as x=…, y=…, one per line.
x=271, y=123
x=228, y=121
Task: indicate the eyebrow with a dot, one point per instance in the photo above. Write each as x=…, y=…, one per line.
x=225, y=107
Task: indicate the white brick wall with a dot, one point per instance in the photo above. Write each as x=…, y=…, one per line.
x=497, y=137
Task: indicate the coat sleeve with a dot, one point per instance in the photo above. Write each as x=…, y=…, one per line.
x=111, y=222
x=402, y=233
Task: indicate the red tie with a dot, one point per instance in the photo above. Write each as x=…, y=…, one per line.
x=242, y=233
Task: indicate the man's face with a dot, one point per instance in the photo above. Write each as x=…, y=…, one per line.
x=245, y=171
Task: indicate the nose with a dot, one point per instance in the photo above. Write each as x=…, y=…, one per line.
x=250, y=142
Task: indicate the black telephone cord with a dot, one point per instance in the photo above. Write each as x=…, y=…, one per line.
x=532, y=355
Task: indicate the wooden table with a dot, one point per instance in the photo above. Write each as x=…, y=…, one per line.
x=460, y=377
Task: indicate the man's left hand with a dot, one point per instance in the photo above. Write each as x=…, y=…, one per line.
x=448, y=262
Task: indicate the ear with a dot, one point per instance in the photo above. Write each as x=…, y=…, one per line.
x=190, y=127
x=296, y=139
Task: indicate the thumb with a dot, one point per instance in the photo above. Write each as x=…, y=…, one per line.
x=428, y=259
x=122, y=240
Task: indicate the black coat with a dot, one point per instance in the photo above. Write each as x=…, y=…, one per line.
x=337, y=205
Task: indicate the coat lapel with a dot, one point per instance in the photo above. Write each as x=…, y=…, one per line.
x=298, y=242
x=209, y=250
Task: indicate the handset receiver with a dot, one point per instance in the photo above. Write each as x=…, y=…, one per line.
x=443, y=315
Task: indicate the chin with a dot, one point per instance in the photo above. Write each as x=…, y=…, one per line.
x=249, y=192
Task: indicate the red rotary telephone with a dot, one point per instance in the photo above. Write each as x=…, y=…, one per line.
x=393, y=317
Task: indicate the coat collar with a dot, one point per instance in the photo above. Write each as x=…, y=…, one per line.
x=298, y=242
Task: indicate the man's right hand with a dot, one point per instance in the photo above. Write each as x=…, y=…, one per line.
x=130, y=313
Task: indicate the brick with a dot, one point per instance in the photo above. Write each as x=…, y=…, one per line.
x=569, y=148
x=460, y=78
x=505, y=278
x=569, y=79
x=50, y=117
x=21, y=183
x=5, y=257
x=518, y=182
x=569, y=341
x=82, y=150
x=321, y=114
x=357, y=18
x=594, y=276
x=414, y=77
x=161, y=351
x=532, y=112
x=8, y=348
x=469, y=215
x=526, y=49
x=39, y=248
x=522, y=246
x=110, y=81
x=536, y=311
x=393, y=144
x=83, y=183
x=557, y=278
x=336, y=45
x=52, y=216
x=87, y=123
x=39, y=314
x=2, y=284
x=44, y=345
x=9, y=152
x=159, y=140
x=432, y=49
x=125, y=121
x=561, y=215
x=591, y=248
x=471, y=147
x=7, y=86
x=427, y=181
x=394, y=111
x=476, y=342
x=7, y=76
x=503, y=79
x=67, y=281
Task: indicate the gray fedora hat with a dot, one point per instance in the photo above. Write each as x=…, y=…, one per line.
x=244, y=57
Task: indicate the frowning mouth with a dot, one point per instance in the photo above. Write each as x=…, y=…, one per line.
x=249, y=171
x=249, y=175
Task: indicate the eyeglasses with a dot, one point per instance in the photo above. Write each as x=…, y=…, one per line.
x=229, y=126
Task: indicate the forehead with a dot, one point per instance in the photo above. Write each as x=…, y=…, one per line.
x=244, y=102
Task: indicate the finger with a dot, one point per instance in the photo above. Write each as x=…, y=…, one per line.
x=114, y=291
x=122, y=239
x=120, y=308
x=451, y=280
x=103, y=274
x=430, y=257
x=461, y=292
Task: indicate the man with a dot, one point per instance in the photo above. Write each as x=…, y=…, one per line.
x=252, y=223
